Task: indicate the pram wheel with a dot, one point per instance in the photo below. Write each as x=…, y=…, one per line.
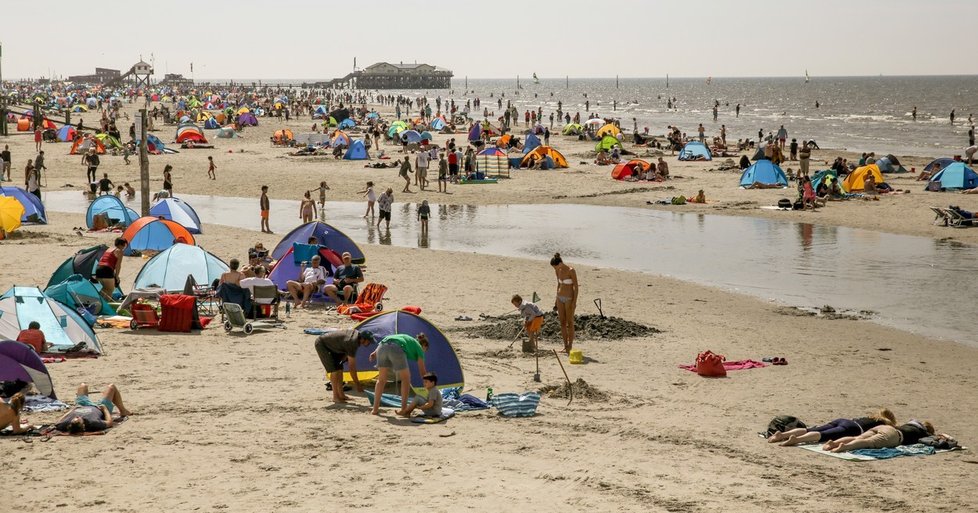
x=227, y=326
x=379, y=307
x=133, y=324
x=248, y=328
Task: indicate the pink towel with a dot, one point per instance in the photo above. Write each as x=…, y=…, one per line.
x=732, y=366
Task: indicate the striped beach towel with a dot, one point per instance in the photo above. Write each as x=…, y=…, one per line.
x=517, y=405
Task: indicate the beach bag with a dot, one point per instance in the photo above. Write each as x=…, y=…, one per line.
x=679, y=200
x=798, y=205
x=710, y=365
x=517, y=405
x=784, y=203
x=783, y=423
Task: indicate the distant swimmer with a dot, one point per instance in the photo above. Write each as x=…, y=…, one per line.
x=816, y=104
x=914, y=113
x=952, y=116
x=738, y=110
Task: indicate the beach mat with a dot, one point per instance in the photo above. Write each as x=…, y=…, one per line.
x=446, y=413
x=866, y=454
x=392, y=400
x=732, y=366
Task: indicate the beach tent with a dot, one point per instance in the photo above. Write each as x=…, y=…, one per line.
x=759, y=152
x=695, y=150
x=226, y=133
x=440, y=357
x=154, y=145
x=357, y=151
x=347, y=123
x=170, y=268
x=825, y=175
x=23, y=125
x=190, y=132
x=438, y=123
x=492, y=161
x=283, y=136
x=325, y=234
x=340, y=114
x=635, y=167
x=608, y=129
x=211, y=124
x=18, y=361
x=426, y=136
x=83, y=144
x=33, y=208
x=78, y=291
x=320, y=113
x=887, y=163
x=82, y=262
x=956, y=176
x=247, y=119
x=763, y=172
x=288, y=269
x=80, y=108
x=108, y=141
x=410, y=137
x=573, y=129
x=339, y=139
x=942, y=162
x=606, y=143
x=854, y=182
x=552, y=157
x=178, y=211
x=67, y=133
x=63, y=327
x=10, y=213
x=117, y=212
x=531, y=143
x=150, y=233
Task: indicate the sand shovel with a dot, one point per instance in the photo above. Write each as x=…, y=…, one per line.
x=570, y=388
x=518, y=335
x=597, y=303
x=536, y=353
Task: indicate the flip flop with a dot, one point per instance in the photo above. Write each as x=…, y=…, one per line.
x=779, y=361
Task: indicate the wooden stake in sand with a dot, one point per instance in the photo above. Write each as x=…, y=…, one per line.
x=570, y=388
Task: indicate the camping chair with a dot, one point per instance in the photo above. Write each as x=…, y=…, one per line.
x=264, y=292
x=955, y=219
x=205, y=294
x=940, y=217
x=228, y=293
x=235, y=318
x=368, y=300
x=143, y=316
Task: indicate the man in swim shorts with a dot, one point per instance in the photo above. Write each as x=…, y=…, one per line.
x=335, y=347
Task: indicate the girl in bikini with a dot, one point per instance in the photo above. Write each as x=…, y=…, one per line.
x=307, y=208
x=566, y=302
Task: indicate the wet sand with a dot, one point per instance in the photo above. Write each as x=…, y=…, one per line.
x=237, y=423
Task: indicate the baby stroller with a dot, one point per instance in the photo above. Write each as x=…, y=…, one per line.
x=234, y=317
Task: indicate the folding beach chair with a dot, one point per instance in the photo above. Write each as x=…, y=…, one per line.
x=955, y=219
x=258, y=300
x=143, y=316
x=369, y=300
x=940, y=217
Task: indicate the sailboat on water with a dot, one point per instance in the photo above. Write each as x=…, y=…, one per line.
x=807, y=78
x=535, y=79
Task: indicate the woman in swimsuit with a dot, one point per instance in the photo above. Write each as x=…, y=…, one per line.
x=307, y=208
x=566, y=301
x=833, y=430
x=109, y=266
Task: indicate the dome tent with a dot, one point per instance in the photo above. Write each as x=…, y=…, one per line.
x=170, y=268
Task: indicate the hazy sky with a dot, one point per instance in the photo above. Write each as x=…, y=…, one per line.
x=488, y=39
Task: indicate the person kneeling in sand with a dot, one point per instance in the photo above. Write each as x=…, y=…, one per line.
x=430, y=407
x=392, y=354
x=89, y=416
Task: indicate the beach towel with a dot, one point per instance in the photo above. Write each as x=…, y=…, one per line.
x=446, y=413
x=392, y=400
x=517, y=405
x=454, y=398
x=53, y=359
x=42, y=403
x=879, y=454
x=732, y=366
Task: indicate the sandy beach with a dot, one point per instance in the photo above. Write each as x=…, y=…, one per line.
x=233, y=423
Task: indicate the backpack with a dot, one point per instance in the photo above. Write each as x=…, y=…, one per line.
x=783, y=423
x=784, y=203
x=710, y=365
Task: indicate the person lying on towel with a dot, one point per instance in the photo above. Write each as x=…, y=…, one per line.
x=88, y=416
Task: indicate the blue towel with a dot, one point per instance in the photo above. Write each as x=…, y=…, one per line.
x=316, y=331
x=896, y=452
x=516, y=405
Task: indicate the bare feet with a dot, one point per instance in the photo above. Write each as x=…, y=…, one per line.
x=375, y=412
x=791, y=441
x=776, y=437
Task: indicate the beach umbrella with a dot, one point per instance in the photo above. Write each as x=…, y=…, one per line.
x=594, y=122
x=10, y=213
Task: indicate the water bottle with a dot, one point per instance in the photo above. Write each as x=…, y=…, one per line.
x=288, y=308
x=489, y=395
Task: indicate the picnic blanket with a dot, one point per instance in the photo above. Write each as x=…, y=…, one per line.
x=880, y=454
x=41, y=403
x=732, y=366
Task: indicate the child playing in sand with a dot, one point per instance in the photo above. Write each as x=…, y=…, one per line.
x=430, y=407
x=371, y=199
x=211, y=168
x=533, y=321
x=322, y=194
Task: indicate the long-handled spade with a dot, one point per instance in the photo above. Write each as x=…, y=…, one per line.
x=536, y=353
x=570, y=388
x=597, y=303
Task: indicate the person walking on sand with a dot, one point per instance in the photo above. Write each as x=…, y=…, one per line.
x=307, y=208
x=914, y=113
x=168, y=179
x=385, y=202
x=5, y=159
x=264, y=205
x=371, y=199
x=952, y=116
x=404, y=173
x=442, y=174
x=566, y=302
x=211, y=168
x=38, y=137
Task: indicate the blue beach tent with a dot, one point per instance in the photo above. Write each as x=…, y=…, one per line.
x=825, y=175
x=33, y=208
x=325, y=235
x=170, y=268
x=77, y=291
x=530, y=143
x=695, y=150
x=763, y=172
x=63, y=327
x=113, y=207
x=178, y=211
x=956, y=176
x=942, y=162
x=356, y=151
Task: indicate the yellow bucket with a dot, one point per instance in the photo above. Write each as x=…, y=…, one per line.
x=576, y=356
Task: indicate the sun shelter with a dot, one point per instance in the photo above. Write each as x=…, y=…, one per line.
x=83, y=262
x=440, y=357
x=154, y=234
x=347, y=123
x=856, y=179
x=211, y=124
x=551, y=157
x=492, y=160
x=190, y=132
x=287, y=268
x=114, y=210
x=33, y=208
x=572, y=129
x=410, y=137
x=226, y=133
x=763, y=172
x=438, y=123
x=941, y=162
x=247, y=119
x=475, y=133
x=340, y=139
x=67, y=133
x=10, y=213
x=283, y=136
x=79, y=292
x=170, y=268
x=63, y=327
x=956, y=176
x=155, y=146
x=325, y=235
x=109, y=141
x=356, y=151
x=695, y=150
x=608, y=129
x=84, y=144
x=636, y=167
x=178, y=211
x=531, y=143
x=18, y=361
x=607, y=143
x=825, y=175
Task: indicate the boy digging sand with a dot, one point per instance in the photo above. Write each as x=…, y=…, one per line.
x=533, y=319
x=430, y=407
